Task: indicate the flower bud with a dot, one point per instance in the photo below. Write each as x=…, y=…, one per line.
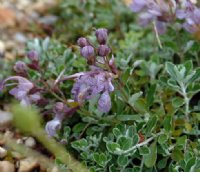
x=87, y=51
x=101, y=35
x=103, y=50
x=82, y=42
x=33, y=55
x=112, y=65
x=59, y=107
x=20, y=67
x=52, y=127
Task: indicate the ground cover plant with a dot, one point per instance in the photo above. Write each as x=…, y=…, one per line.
x=124, y=97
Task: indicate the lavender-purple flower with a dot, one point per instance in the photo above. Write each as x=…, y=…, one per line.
x=91, y=84
x=22, y=91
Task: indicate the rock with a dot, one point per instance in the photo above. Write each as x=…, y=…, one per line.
x=30, y=142
x=9, y=134
x=5, y=119
x=28, y=164
x=2, y=49
x=6, y=166
x=3, y=152
x=20, y=37
x=7, y=17
x=55, y=169
x=19, y=141
x=48, y=20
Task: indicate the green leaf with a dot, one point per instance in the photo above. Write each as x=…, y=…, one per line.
x=190, y=165
x=144, y=150
x=122, y=160
x=78, y=127
x=173, y=84
x=162, y=163
x=162, y=138
x=177, y=102
x=167, y=123
x=125, y=142
x=189, y=66
x=150, y=125
x=195, y=76
x=100, y=159
x=150, y=159
x=135, y=139
x=150, y=95
x=113, y=147
x=170, y=67
x=134, y=98
x=133, y=117
x=177, y=155
x=80, y=144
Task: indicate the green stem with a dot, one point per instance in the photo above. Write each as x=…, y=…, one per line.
x=141, y=144
x=186, y=99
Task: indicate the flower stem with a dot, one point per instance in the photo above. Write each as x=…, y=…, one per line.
x=142, y=144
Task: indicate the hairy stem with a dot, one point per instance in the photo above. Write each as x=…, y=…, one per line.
x=187, y=101
x=142, y=144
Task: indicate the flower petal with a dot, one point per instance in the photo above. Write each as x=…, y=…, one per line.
x=104, y=103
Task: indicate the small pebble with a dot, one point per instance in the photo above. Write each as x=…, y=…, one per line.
x=2, y=49
x=19, y=141
x=28, y=164
x=3, y=152
x=30, y=142
x=20, y=37
x=5, y=119
x=9, y=133
x=48, y=20
x=6, y=166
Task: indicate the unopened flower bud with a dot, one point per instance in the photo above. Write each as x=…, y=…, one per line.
x=59, y=106
x=101, y=35
x=103, y=50
x=82, y=42
x=20, y=67
x=87, y=52
x=112, y=65
x=33, y=55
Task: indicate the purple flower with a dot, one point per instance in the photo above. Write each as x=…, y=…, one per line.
x=191, y=14
x=104, y=103
x=138, y=5
x=112, y=65
x=20, y=67
x=87, y=51
x=60, y=112
x=33, y=55
x=159, y=11
x=53, y=126
x=101, y=35
x=103, y=50
x=82, y=42
x=22, y=91
x=92, y=84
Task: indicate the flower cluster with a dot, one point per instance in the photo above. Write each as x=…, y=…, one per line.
x=159, y=11
x=95, y=83
x=163, y=12
x=25, y=91
x=98, y=81
x=191, y=14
